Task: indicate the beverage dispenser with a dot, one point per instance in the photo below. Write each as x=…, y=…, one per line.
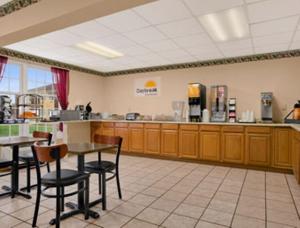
x=218, y=103
x=197, y=101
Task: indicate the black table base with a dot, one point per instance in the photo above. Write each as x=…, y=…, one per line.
x=9, y=191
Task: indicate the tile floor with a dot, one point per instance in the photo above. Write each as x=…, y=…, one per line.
x=161, y=193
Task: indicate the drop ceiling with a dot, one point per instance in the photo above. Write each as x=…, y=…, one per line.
x=169, y=32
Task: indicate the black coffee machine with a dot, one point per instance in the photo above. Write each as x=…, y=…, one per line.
x=197, y=101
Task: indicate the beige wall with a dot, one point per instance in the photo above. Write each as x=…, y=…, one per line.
x=245, y=82
x=85, y=88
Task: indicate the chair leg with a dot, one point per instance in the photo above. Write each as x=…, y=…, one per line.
x=28, y=176
x=118, y=184
x=87, y=200
x=103, y=191
x=58, y=201
x=37, y=205
x=62, y=199
x=100, y=183
x=48, y=167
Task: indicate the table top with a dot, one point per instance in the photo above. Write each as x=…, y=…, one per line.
x=85, y=148
x=20, y=140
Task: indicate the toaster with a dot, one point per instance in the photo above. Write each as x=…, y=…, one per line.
x=132, y=116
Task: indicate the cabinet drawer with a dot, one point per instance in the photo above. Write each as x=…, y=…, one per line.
x=232, y=128
x=191, y=127
x=169, y=126
x=210, y=128
x=95, y=124
x=136, y=125
x=152, y=126
x=121, y=124
x=258, y=129
x=108, y=124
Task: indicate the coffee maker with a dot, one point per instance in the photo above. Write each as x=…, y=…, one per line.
x=218, y=103
x=266, y=106
x=197, y=101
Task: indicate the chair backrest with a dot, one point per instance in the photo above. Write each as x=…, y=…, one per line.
x=113, y=140
x=42, y=153
x=42, y=134
x=50, y=153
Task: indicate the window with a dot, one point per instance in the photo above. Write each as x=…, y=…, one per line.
x=39, y=81
x=11, y=82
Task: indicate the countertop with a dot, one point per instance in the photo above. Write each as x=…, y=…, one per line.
x=294, y=126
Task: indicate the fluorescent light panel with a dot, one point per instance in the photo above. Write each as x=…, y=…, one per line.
x=226, y=25
x=99, y=49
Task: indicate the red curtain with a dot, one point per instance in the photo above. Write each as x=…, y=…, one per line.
x=61, y=85
x=3, y=62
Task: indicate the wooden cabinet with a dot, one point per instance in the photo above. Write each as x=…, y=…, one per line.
x=136, y=137
x=188, y=141
x=296, y=155
x=282, y=151
x=233, y=144
x=152, y=139
x=258, y=146
x=121, y=129
x=169, y=140
x=95, y=129
x=210, y=139
x=107, y=128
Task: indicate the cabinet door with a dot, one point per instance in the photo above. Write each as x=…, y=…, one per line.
x=95, y=130
x=123, y=132
x=188, y=144
x=282, y=156
x=295, y=154
x=258, y=147
x=152, y=141
x=233, y=147
x=169, y=143
x=210, y=146
x=109, y=131
x=136, y=140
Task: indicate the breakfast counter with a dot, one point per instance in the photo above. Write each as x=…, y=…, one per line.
x=274, y=146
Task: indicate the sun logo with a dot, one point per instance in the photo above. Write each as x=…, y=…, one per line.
x=150, y=84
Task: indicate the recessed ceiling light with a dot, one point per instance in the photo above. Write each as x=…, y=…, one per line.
x=99, y=49
x=226, y=25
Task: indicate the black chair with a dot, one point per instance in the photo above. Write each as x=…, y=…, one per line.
x=5, y=165
x=102, y=167
x=27, y=158
x=58, y=179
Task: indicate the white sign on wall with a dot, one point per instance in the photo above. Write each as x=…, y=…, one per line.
x=147, y=87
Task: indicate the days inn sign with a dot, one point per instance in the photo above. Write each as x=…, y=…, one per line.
x=147, y=87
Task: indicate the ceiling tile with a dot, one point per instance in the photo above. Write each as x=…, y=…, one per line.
x=63, y=37
x=268, y=41
x=145, y=35
x=163, y=11
x=201, y=7
x=174, y=53
x=161, y=45
x=295, y=45
x=114, y=41
x=297, y=36
x=272, y=9
x=251, y=1
x=184, y=27
x=275, y=26
x=209, y=55
x=201, y=49
x=193, y=40
x=271, y=48
x=91, y=29
x=123, y=21
x=238, y=44
x=134, y=50
x=233, y=52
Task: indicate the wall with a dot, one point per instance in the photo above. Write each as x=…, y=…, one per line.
x=245, y=82
x=86, y=88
